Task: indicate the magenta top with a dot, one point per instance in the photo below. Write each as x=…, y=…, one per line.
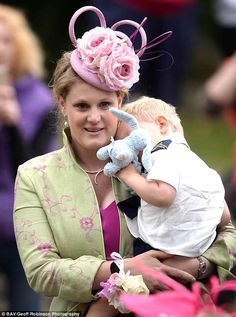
x=111, y=229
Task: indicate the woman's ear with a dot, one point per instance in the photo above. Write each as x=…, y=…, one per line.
x=120, y=100
x=163, y=124
x=61, y=103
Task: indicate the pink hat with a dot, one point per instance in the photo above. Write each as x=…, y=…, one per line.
x=105, y=57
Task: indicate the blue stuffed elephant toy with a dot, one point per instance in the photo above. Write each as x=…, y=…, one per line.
x=126, y=151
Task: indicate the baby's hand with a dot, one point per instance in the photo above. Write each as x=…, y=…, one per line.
x=126, y=171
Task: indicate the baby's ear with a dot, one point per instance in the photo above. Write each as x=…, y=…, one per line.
x=163, y=124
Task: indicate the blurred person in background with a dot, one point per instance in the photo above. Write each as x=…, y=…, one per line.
x=225, y=19
x=218, y=97
x=221, y=88
x=25, y=116
x=162, y=77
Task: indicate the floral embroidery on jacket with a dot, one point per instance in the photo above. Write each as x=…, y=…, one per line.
x=86, y=223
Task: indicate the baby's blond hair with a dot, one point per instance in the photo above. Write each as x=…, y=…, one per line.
x=148, y=109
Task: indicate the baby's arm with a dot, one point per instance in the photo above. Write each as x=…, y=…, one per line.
x=226, y=217
x=187, y=264
x=101, y=308
x=154, y=192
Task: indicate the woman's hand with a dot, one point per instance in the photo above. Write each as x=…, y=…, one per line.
x=122, y=131
x=154, y=259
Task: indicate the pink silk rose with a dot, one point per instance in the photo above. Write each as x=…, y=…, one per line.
x=120, y=69
x=102, y=52
x=110, y=287
x=94, y=44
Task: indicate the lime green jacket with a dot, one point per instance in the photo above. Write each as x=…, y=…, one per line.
x=59, y=233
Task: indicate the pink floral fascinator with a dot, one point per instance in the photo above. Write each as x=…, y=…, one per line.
x=179, y=301
x=105, y=57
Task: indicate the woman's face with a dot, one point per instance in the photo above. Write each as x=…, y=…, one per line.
x=87, y=111
x=7, y=50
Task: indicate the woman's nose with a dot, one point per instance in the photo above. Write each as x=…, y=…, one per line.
x=94, y=115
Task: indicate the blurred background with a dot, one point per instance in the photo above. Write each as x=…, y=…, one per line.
x=197, y=52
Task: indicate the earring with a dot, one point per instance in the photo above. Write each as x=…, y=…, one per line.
x=66, y=121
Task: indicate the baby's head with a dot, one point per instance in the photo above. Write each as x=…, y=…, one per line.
x=159, y=118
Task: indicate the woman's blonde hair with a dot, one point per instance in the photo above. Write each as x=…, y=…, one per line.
x=64, y=76
x=148, y=109
x=29, y=55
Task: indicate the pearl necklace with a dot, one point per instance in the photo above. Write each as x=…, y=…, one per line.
x=97, y=172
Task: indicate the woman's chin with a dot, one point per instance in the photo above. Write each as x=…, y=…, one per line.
x=96, y=145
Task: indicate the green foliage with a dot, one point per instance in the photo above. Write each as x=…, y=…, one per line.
x=211, y=139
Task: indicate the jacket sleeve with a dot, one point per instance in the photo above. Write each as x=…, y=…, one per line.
x=222, y=252
x=46, y=271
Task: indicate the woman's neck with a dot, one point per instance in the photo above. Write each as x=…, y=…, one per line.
x=88, y=159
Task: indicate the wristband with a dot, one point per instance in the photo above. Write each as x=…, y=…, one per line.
x=202, y=267
x=114, y=268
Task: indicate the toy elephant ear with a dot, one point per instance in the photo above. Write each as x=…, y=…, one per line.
x=130, y=120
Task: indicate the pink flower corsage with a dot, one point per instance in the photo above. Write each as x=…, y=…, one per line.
x=120, y=283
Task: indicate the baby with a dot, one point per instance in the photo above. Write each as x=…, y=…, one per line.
x=181, y=198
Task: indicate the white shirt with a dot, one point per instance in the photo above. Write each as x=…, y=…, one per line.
x=188, y=226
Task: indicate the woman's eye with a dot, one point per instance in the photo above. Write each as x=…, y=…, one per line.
x=105, y=105
x=82, y=106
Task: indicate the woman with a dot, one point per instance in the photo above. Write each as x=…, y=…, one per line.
x=25, y=104
x=66, y=218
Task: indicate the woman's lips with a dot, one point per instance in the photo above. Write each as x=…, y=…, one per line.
x=93, y=130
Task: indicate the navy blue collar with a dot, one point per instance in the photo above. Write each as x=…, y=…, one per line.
x=163, y=145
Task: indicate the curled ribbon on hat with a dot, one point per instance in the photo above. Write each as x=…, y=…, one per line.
x=105, y=57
